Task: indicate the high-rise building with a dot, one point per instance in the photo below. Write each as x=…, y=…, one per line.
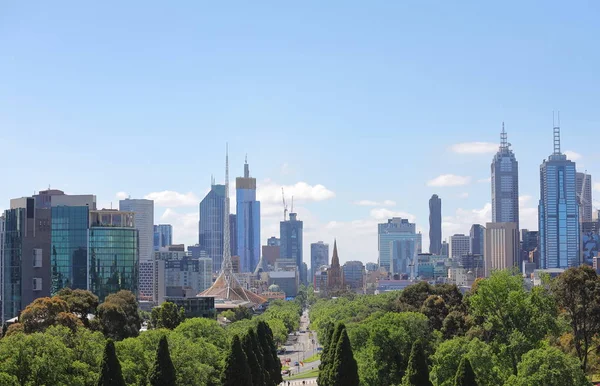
x=501, y=246
x=270, y=253
x=233, y=241
x=273, y=242
x=398, y=245
x=26, y=255
x=354, y=275
x=445, y=249
x=178, y=275
x=319, y=255
x=558, y=212
x=530, y=246
x=291, y=241
x=113, y=252
x=459, y=245
x=163, y=236
x=435, y=225
x=248, y=221
x=505, y=183
x=212, y=214
x=477, y=236
x=584, y=196
x=2, y=234
x=69, y=254
x=144, y=222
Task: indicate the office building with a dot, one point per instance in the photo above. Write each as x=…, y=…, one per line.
x=2, y=234
x=435, y=225
x=319, y=255
x=69, y=241
x=270, y=253
x=477, y=235
x=26, y=264
x=248, y=221
x=180, y=274
x=505, y=183
x=459, y=245
x=354, y=276
x=445, y=249
x=530, y=246
x=558, y=212
x=287, y=281
x=584, y=196
x=473, y=263
x=398, y=245
x=212, y=214
x=163, y=236
x=291, y=241
x=113, y=252
x=501, y=246
x=233, y=243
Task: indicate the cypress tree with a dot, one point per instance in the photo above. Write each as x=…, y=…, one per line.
x=465, y=376
x=417, y=373
x=255, y=364
x=272, y=362
x=344, y=370
x=328, y=356
x=163, y=372
x=236, y=371
x=260, y=355
x=111, y=368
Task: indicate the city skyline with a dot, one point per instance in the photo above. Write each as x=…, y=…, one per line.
x=322, y=111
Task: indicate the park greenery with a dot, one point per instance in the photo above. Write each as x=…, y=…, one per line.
x=498, y=333
x=71, y=339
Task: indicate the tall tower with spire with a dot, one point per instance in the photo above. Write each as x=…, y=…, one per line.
x=335, y=276
x=247, y=221
x=558, y=212
x=227, y=287
x=505, y=183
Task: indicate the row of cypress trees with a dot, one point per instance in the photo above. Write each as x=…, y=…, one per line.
x=252, y=359
x=417, y=372
x=338, y=366
x=162, y=374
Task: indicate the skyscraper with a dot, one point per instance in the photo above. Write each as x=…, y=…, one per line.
x=460, y=245
x=248, y=221
x=113, y=252
x=144, y=222
x=398, y=245
x=501, y=246
x=212, y=214
x=584, y=196
x=558, y=212
x=291, y=241
x=477, y=236
x=435, y=225
x=319, y=255
x=505, y=183
x=26, y=255
x=163, y=236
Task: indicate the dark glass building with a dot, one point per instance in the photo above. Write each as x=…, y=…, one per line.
x=248, y=222
x=477, y=236
x=291, y=241
x=435, y=225
x=114, y=252
x=69, y=247
x=212, y=216
x=319, y=256
x=505, y=183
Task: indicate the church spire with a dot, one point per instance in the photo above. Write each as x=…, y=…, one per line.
x=335, y=260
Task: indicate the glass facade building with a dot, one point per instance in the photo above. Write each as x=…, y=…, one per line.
x=397, y=257
x=558, y=212
x=435, y=224
x=319, y=255
x=354, y=274
x=69, y=237
x=212, y=219
x=505, y=183
x=477, y=236
x=113, y=253
x=291, y=241
x=247, y=222
x=163, y=236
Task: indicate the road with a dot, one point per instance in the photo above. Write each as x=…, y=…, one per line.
x=305, y=346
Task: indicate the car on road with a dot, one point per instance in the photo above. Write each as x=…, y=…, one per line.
x=296, y=364
x=285, y=372
x=319, y=349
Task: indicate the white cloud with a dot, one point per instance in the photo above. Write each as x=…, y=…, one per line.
x=485, y=180
x=270, y=192
x=597, y=186
x=573, y=156
x=462, y=220
x=446, y=180
x=375, y=203
x=122, y=195
x=528, y=213
x=384, y=214
x=463, y=195
x=185, y=226
x=172, y=199
x=474, y=148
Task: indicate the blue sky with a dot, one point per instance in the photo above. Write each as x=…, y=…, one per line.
x=339, y=101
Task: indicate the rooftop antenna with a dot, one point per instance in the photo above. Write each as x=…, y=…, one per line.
x=503, y=139
x=285, y=210
x=556, y=135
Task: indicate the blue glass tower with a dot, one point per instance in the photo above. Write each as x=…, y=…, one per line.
x=212, y=213
x=558, y=212
x=291, y=241
x=248, y=221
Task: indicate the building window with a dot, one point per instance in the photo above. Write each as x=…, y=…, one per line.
x=37, y=258
x=37, y=283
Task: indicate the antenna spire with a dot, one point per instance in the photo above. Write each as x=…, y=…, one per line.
x=557, y=136
x=503, y=139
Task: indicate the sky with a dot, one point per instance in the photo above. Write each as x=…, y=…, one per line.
x=360, y=110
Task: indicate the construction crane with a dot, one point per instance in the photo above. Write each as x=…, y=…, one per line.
x=285, y=210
